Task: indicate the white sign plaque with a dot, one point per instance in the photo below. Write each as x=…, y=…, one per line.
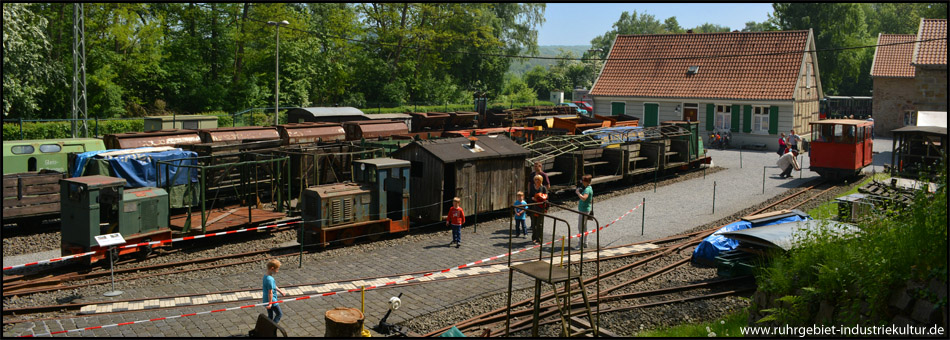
x=110, y=239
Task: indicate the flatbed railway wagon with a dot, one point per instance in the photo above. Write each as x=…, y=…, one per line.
x=840, y=148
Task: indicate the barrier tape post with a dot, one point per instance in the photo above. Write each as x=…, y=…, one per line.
x=714, y=198
x=763, y=180
x=643, y=217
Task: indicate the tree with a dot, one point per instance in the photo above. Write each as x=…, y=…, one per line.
x=835, y=25
x=764, y=26
x=27, y=74
x=671, y=25
x=711, y=28
x=627, y=24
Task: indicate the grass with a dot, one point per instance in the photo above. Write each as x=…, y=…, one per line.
x=828, y=210
x=725, y=327
x=857, y=275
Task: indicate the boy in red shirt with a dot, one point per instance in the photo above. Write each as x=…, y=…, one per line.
x=456, y=219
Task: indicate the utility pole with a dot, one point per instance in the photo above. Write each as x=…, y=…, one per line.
x=79, y=70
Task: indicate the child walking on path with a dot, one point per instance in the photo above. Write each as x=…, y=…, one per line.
x=520, y=215
x=270, y=291
x=585, y=195
x=456, y=219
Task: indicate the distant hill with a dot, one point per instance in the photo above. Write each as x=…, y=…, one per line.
x=519, y=67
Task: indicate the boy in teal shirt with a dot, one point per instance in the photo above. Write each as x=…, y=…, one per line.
x=520, y=216
x=584, y=205
x=270, y=291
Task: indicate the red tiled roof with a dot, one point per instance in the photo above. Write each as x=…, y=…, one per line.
x=893, y=60
x=931, y=52
x=659, y=65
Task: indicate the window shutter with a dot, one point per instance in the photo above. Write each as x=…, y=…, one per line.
x=747, y=118
x=773, y=120
x=710, y=117
x=735, y=119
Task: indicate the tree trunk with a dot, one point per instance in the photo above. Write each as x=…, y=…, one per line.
x=343, y=322
x=239, y=57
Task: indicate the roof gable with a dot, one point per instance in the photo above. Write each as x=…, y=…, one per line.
x=931, y=52
x=735, y=65
x=893, y=60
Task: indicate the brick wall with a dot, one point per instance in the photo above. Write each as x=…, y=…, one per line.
x=931, y=85
x=892, y=97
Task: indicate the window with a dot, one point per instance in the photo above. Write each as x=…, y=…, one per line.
x=723, y=117
x=49, y=148
x=22, y=149
x=910, y=118
x=760, y=119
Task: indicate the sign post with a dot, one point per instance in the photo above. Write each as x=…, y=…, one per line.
x=111, y=240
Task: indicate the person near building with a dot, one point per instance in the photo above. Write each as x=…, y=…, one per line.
x=539, y=194
x=788, y=162
x=793, y=140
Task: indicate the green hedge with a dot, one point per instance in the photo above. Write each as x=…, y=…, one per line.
x=56, y=130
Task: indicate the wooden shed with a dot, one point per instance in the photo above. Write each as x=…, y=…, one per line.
x=491, y=167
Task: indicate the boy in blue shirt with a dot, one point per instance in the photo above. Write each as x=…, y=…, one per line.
x=270, y=291
x=520, y=216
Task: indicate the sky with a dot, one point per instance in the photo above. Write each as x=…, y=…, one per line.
x=578, y=23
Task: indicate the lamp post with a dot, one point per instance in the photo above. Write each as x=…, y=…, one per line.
x=277, y=67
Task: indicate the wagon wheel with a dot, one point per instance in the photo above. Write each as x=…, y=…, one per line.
x=375, y=232
x=146, y=250
x=347, y=236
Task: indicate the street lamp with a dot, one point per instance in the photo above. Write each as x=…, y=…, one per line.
x=277, y=67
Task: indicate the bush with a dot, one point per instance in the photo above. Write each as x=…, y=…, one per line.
x=59, y=130
x=903, y=244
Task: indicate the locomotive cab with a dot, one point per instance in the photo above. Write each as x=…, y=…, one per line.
x=97, y=205
x=376, y=203
x=840, y=148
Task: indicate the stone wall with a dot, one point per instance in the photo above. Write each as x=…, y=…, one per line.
x=915, y=303
x=892, y=97
x=931, y=85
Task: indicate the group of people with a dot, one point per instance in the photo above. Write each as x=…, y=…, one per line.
x=538, y=192
x=788, y=151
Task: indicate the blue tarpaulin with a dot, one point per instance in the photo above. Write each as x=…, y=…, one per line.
x=711, y=246
x=139, y=170
x=80, y=165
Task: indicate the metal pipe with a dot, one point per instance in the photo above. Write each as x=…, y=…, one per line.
x=203, y=182
x=714, y=198
x=643, y=216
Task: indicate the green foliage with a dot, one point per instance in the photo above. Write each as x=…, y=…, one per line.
x=728, y=326
x=27, y=74
x=829, y=210
x=164, y=58
x=61, y=129
x=904, y=244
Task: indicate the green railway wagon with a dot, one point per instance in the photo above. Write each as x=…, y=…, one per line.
x=35, y=155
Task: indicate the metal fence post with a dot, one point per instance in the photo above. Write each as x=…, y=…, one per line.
x=656, y=171
x=740, y=155
x=763, y=180
x=643, y=216
x=21, y=128
x=476, y=213
x=714, y=198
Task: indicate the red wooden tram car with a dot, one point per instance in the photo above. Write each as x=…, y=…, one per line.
x=840, y=148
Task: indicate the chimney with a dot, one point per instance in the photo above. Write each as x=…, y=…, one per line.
x=689, y=31
x=472, y=142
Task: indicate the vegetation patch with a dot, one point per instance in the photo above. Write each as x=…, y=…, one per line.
x=728, y=326
x=857, y=275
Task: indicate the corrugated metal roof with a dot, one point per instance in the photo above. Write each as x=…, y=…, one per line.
x=925, y=129
x=451, y=150
x=328, y=111
x=783, y=235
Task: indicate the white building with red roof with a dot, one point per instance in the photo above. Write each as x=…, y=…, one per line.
x=753, y=84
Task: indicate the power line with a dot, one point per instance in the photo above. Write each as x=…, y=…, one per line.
x=325, y=36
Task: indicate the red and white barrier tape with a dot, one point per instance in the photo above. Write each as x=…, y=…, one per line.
x=149, y=243
x=353, y=290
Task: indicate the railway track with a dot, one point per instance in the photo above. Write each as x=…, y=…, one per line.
x=498, y=322
x=25, y=285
